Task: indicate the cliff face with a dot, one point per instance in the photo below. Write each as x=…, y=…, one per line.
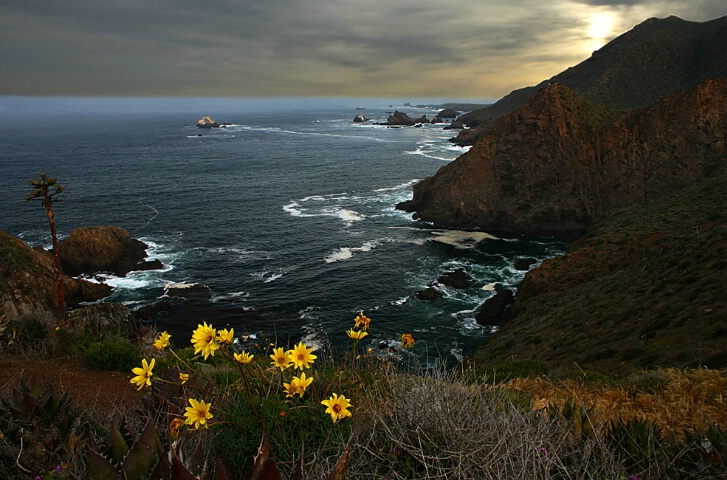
x=27, y=282
x=560, y=162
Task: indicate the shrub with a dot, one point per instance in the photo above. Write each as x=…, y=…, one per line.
x=111, y=354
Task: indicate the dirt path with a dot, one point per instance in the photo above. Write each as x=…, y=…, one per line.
x=107, y=392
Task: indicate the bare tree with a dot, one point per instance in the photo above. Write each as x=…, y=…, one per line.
x=47, y=189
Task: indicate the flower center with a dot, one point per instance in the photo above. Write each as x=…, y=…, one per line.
x=336, y=408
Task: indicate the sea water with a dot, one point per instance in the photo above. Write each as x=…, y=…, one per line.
x=286, y=216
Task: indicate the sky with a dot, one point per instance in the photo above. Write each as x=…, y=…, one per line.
x=464, y=49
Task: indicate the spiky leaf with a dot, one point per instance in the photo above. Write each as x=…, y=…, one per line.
x=119, y=447
x=143, y=454
x=99, y=468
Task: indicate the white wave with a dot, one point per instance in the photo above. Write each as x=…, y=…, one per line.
x=400, y=301
x=345, y=253
x=420, y=151
x=267, y=277
x=230, y=296
x=401, y=186
x=132, y=281
x=273, y=277
x=350, y=215
x=460, y=239
x=180, y=285
x=490, y=287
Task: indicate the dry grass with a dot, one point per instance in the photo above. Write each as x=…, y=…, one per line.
x=674, y=400
x=434, y=426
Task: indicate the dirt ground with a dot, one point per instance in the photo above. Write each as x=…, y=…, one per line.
x=107, y=392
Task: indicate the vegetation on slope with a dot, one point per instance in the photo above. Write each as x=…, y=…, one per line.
x=642, y=289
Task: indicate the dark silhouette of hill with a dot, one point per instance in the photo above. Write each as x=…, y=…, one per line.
x=656, y=59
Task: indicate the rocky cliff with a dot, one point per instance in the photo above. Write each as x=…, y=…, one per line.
x=560, y=162
x=27, y=282
x=656, y=59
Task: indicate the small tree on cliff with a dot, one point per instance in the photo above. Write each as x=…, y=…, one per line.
x=47, y=189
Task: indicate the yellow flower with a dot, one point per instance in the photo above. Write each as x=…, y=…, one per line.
x=407, y=341
x=356, y=335
x=243, y=357
x=143, y=374
x=226, y=336
x=362, y=320
x=203, y=339
x=183, y=377
x=163, y=341
x=198, y=413
x=297, y=385
x=281, y=358
x=337, y=407
x=174, y=426
x=302, y=356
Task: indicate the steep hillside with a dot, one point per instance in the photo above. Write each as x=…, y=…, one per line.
x=643, y=289
x=27, y=283
x=561, y=162
x=656, y=59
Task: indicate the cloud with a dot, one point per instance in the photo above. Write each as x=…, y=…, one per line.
x=294, y=47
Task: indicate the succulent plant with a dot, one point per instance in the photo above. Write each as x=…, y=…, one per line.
x=39, y=426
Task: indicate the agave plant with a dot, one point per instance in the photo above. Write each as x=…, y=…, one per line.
x=38, y=424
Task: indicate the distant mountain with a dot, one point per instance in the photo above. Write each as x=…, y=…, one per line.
x=656, y=59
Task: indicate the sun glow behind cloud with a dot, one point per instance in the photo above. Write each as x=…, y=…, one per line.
x=421, y=48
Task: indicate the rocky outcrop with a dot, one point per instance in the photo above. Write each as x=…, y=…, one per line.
x=446, y=115
x=103, y=249
x=456, y=279
x=492, y=311
x=27, y=282
x=561, y=162
x=360, y=118
x=656, y=59
x=207, y=122
x=402, y=119
x=429, y=294
x=108, y=317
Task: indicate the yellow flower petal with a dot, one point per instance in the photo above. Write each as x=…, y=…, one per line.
x=198, y=413
x=302, y=356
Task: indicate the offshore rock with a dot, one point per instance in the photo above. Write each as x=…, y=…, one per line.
x=458, y=279
x=207, y=122
x=492, y=311
x=429, y=294
x=446, y=115
x=360, y=118
x=102, y=249
x=400, y=118
x=561, y=162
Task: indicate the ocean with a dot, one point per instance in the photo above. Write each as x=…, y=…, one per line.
x=286, y=216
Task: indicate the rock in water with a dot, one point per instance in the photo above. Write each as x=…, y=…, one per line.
x=207, y=122
x=492, y=311
x=101, y=249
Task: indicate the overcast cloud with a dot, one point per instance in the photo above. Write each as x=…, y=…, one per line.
x=404, y=48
